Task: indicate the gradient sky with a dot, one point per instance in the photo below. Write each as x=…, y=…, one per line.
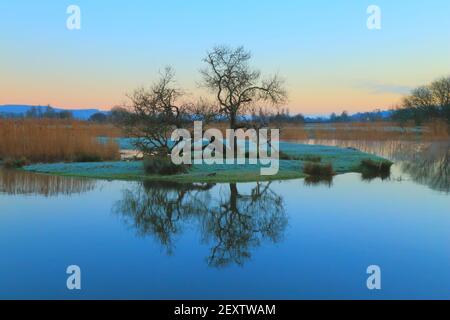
x=330, y=60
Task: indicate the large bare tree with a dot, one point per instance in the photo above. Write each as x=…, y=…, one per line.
x=236, y=85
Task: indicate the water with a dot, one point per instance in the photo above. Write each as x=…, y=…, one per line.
x=290, y=239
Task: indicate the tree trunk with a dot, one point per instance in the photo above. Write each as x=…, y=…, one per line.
x=233, y=197
x=233, y=126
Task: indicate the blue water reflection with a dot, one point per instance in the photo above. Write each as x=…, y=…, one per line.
x=291, y=239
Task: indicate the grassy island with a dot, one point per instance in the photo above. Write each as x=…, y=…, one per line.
x=292, y=163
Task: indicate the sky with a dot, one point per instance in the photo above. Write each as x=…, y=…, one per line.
x=324, y=50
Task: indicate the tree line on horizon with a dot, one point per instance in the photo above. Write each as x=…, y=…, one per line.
x=426, y=103
x=423, y=104
x=242, y=98
x=37, y=112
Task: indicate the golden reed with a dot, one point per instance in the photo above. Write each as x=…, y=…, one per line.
x=436, y=130
x=47, y=140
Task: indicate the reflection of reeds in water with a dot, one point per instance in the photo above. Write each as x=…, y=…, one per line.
x=431, y=170
x=426, y=163
x=318, y=181
x=392, y=150
x=15, y=182
x=46, y=140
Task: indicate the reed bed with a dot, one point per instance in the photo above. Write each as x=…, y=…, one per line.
x=294, y=133
x=368, y=131
x=364, y=131
x=437, y=130
x=49, y=140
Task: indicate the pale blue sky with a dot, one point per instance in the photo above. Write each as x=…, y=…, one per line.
x=323, y=49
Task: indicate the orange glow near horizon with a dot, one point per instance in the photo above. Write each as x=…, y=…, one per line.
x=308, y=100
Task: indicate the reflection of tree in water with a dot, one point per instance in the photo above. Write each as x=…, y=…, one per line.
x=159, y=209
x=239, y=222
x=234, y=222
x=20, y=182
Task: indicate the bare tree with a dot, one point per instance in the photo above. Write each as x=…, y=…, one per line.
x=421, y=97
x=427, y=102
x=441, y=93
x=155, y=113
x=236, y=85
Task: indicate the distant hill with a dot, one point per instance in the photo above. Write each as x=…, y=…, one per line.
x=21, y=110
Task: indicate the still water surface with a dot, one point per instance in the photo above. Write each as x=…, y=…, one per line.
x=289, y=239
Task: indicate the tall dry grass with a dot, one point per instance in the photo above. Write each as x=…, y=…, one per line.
x=287, y=132
x=368, y=131
x=50, y=140
x=294, y=133
x=436, y=130
x=379, y=131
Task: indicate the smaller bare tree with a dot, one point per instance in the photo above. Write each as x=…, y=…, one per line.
x=154, y=113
